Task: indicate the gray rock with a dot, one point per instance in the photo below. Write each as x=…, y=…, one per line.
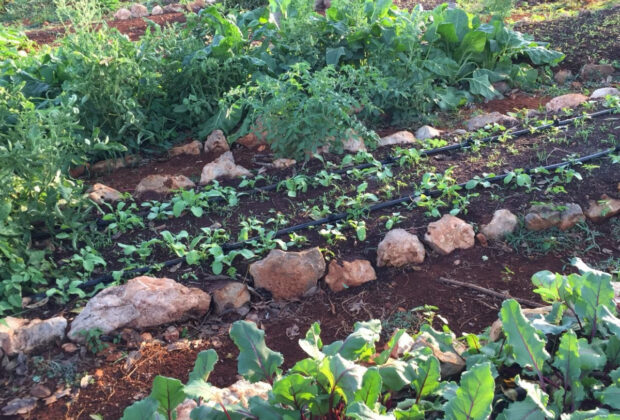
x=23, y=335
x=157, y=10
x=122, y=14
x=603, y=92
x=427, y=132
x=483, y=120
x=138, y=10
x=562, y=76
x=541, y=217
x=503, y=223
x=141, y=302
x=595, y=72
x=222, y=167
x=163, y=184
x=401, y=137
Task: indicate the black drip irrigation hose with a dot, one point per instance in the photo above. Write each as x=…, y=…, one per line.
x=106, y=278
x=431, y=152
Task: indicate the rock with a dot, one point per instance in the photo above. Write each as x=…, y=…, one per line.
x=40, y=391
x=69, y=348
x=222, y=167
x=173, y=8
x=603, y=92
x=163, y=184
x=194, y=148
x=570, y=216
x=354, y=144
x=449, y=233
x=171, y=334
x=216, y=142
x=482, y=239
x=596, y=72
x=404, y=345
x=138, y=10
x=239, y=393
x=570, y=100
x=251, y=141
x=541, y=217
x=122, y=14
x=427, y=132
x=283, y=163
x=502, y=87
x=458, y=132
x=100, y=194
x=399, y=248
x=562, y=76
x=110, y=165
x=185, y=408
x=401, y=137
x=603, y=209
x=288, y=275
x=503, y=222
x=616, y=286
x=157, y=10
x=230, y=295
x=141, y=302
x=346, y=274
x=451, y=362
x=19, y=406
x=19, y=335
x=483, y=120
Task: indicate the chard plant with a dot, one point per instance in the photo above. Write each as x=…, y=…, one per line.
x=562, y=363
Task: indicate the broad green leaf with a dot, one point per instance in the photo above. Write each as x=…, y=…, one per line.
x=360, y=344
x=370, y=391
x=295, y=390
x=198, y=388
x=332, y=55
x=256, y=362
x=427, y=375
x=385, y=354
x=609, y=321
x=527, y=346
x=169, y=393
x=360, y=411
x=145, y=409
x=312, y=344
x=599, y=413
x=395, y=374
x=610, y=396
x=448, y=32
x=474, y=395
x=205, y=361
x=590, y=357
x=533, y=407
x=459, y=18
x=348, y=376
x=567, y=362
x=540, y=55
x=473, y=42
x=205, y=412
x=480, y=85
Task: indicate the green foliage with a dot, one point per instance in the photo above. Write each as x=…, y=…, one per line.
x=348, y=379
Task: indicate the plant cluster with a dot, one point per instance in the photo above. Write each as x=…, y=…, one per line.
x=565, y=362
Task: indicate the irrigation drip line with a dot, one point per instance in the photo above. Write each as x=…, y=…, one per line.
x=106, y=278
x=465, y=144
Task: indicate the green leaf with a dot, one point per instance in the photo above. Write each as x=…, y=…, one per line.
x=205, y=361
x=256, y=362
x=385, y=354
x=427, y=375
x=359, y=411
x=527, y=346
x=178, y=208
x=360, y=344
x=598, y=414
x=295, y=390
x=312, y=344
x=533, y=407
x=590, y=358
x=610, y=396
x=448, y=32
x=480, y=85
x=332, y=55
x=198, y=388
x=169, y=393
x=145, y=409
x=474, y=395
x=370, y=391
x=567, y=362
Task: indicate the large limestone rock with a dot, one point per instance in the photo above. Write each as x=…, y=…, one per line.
x=603, y=92
x=346, y=274
x=427, y=132
x=503, y=223
x=230, y=295
x=562, y=76
x=401, y=137
x=138, y=10
x=122, y=14
x=570, y=216
x=399, y=248
x=24, y=335
x=110, y=165
x=222, y=167
x=596, y=72
x=142, y=302
x=101, y=193
x=603, y=209
x=288, y=275
x=157, y=10
x=216, y=142
x=451, y=361
x=194, y=148
x=483, y=120
x=570, y=100
x=283, y=163
x=449, y=233
x=543, y=216
x=163, y=184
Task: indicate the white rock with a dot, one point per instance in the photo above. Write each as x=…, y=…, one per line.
x=157, y=10
x=23, y=335
x=163, y=184
x=141, y=302
x=483, y=120
x=222, y=167
x=138, y=10
x=571, y=100
x=427, y=132
x=216, y=142
x=603, y=92
x=399, y=248
x=401, y=137
x=503, y=222
x=283, y=163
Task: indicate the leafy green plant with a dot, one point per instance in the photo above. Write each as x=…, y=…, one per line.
x=93, y=341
